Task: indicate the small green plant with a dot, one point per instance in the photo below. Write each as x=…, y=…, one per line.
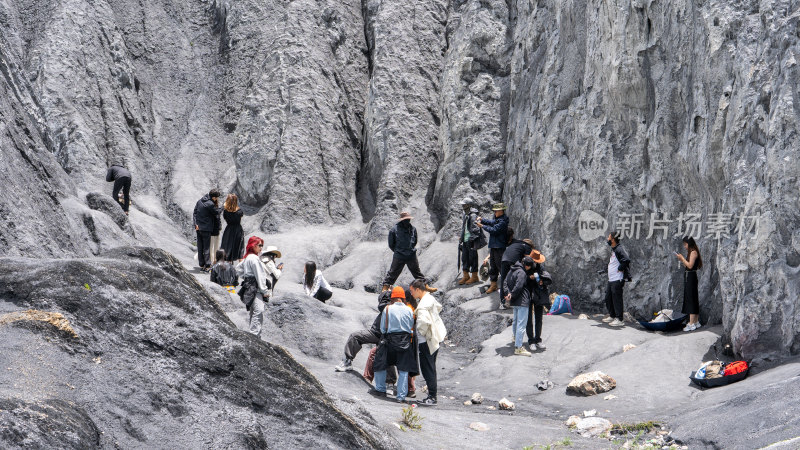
x=87, y=287
x=625, y=428
x=411, y=419
x=566, y=442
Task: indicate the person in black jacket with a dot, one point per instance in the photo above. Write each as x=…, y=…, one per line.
x=618, y=273
x=403, y=242
x=470, y=241
x=498, y=238
x=205, y=218
x=519, y=297
x=224, y=274
x=122, y=181
x=358, y=338
x=538, y=282
x=516, y=249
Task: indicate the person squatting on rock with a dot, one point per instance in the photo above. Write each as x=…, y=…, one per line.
x=403, y=243
x=203, y=220
x=430, y=333
x=233, y=237
x=497, y=229
x=538, y=282
x=472, y=239
x=357, y=339
x=273, y=271
x=515, y=250
x=396, y=346
x=216, y=239
x=254, y=291
x=122, y=181
x=519, y=297
x=691, y=300
x=224, y=274
x=315, y=284
x=618, y=272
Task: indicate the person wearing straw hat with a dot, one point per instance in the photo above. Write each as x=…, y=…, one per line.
x=274, y=271
x=403, y=242
x=498, y=239
x=538, y=282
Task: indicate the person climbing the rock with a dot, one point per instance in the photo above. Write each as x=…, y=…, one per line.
x=472, y=239
x=538, y=282
x=223, y=273
x=497, y=228
x=233, y=237
x=315, y=284
x=216, y=238
x=430, y=333
x=403, y=242
x=618, y=272
x=515, y=250
x=122, y=182
x=519, y=297
x=357, y=339
x=273, y=270
x=254, y=291
x=396, y=346
x=691, y=300
x=203, y=220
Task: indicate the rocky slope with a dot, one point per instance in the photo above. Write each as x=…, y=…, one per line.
x=324, y=112
x=128, y=350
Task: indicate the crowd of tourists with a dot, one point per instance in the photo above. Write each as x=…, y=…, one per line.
x=408, y=330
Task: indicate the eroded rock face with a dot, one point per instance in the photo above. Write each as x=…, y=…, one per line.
x=154, y=360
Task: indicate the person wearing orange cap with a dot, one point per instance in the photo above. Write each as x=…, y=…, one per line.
x=396, y=346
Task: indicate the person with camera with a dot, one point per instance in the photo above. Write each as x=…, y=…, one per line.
x=497, y=228
x=618, y=273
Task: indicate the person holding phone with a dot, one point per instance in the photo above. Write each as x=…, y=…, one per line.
x=691, y=301
x=273, y=270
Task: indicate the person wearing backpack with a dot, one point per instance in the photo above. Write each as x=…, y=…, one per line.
x=472, y=239
x=357, y=339
x=515, y=250
x=538, y=282
x=519, y=297
x=618, y=273
x=255, y=291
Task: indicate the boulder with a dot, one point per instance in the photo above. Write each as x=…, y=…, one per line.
x=591, y=383
x=477, y=398
x=479, y=426
x=506, y=404
x=592, y=426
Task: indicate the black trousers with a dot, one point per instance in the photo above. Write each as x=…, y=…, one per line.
x=495, y=259
x=123, y=183
x=505, y=266
x=469, y=259
x=536, y=312
x=357, y=340
x=204, y=248
x=614, y=299
x=397, y=267
x=427, y=365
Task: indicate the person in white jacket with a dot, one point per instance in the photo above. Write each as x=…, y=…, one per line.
x=315, y=284
x=430, y=333
x=274, y=270
x=252, y=267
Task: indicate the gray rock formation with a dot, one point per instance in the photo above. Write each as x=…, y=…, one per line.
x=147, y=357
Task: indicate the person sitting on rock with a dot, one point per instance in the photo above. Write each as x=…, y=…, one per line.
x=518, y=297
x=122, y=181
x=403, y=243
x=223, y=273
x=430, y=333
x=396, y=347
x=538, y=282
x=471, y=240
x=618, y=272
x=497, y=228
x=255, y=291
x=315, y=284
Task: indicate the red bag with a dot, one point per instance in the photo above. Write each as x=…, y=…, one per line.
x=735, y=367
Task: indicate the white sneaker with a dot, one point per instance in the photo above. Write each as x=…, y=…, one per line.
x=608, y=319
x=697, y=325
x=617, y=323
x=689, y=327
x=521, y=351
x=503, y=306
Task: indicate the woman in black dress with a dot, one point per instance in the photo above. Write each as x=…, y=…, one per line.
x=691, y=301
x=233, y=237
